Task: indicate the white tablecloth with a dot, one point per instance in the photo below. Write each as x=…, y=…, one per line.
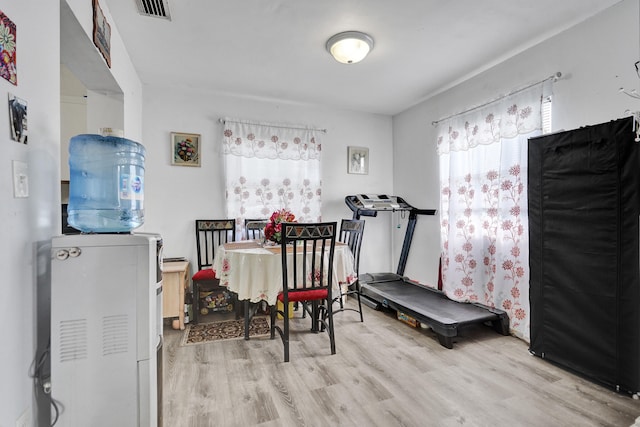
x=255, y=272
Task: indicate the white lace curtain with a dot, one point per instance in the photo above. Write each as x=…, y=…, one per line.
x=270, y=167
x=483, y=204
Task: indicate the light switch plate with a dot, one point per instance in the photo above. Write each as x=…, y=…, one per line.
x=20, y=179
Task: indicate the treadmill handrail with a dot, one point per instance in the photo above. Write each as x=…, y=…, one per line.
x=426, y=211
x=353, y=202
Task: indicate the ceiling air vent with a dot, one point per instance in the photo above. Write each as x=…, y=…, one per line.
x=155, y=8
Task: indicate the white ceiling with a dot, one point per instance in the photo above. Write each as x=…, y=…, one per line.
x=275, y=49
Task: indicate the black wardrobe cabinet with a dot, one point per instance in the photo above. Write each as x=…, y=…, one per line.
x=584, y=202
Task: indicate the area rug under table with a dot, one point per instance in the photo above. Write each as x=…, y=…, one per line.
x=225, y=330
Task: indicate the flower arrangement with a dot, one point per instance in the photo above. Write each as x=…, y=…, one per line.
x=273, y=229
x=186, y=150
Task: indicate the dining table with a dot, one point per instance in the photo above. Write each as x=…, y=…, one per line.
x=253, y=271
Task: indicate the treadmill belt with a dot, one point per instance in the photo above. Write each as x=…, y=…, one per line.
x=431, y=306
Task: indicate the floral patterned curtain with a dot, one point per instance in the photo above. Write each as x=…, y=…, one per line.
x=483, y=204
x=271, y=167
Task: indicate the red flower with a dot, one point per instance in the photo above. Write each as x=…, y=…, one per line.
x=273, y=229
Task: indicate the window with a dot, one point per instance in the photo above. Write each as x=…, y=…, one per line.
x=483, y=202
x=546, y=115
x=270, y=167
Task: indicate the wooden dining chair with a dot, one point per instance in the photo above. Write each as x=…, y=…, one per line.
x=210, y=234
x=254, y=228
x=351, y=232
x=307, y=251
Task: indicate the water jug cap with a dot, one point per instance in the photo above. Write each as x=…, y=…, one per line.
x=112, y=132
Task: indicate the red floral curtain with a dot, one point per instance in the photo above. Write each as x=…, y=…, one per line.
x=271, y=167
x=483, y=204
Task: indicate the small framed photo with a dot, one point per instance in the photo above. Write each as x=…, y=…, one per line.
x=185, y=149
x=18, y=119
x=101, y=32
x=358, y=160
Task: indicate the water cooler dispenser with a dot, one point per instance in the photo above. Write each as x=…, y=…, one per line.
x=106, y=294
x=106, y=329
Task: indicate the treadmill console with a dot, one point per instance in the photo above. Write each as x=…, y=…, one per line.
x=380, y=202
x=371, y=204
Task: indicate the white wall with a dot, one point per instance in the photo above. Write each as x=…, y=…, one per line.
x=595, y=57
x=73, y=121
x=108, y=88
x=73, y=117
x=27, y=223
x=84, y=111
x=175, y=196
x=104, y=111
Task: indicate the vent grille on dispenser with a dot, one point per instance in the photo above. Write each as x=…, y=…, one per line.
x=73, y=340
x=115, y=336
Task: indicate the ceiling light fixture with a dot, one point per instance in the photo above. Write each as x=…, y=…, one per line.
x=349, y=47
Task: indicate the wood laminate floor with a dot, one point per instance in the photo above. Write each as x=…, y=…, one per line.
x=385, y=373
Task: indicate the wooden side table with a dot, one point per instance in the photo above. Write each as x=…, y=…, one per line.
x=175, y=279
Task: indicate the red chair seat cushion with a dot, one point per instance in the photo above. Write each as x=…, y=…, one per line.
x=206, y=274
x=309, y=295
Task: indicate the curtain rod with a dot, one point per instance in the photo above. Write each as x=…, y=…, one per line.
x=223, y=121
x=554, y=77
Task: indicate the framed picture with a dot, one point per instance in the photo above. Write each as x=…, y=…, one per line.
x=358, y=160
x=185, y=149
x=101, y=32
x=8, y=49
x=18, y=119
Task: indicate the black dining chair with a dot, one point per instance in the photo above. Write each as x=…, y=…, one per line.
x=210, y=234
x=254, y=228
x=351, y=232
x=307, y=251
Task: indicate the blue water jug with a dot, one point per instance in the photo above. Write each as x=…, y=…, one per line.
x=106, y=186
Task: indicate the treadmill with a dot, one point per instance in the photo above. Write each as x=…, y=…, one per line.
x=397, y=292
